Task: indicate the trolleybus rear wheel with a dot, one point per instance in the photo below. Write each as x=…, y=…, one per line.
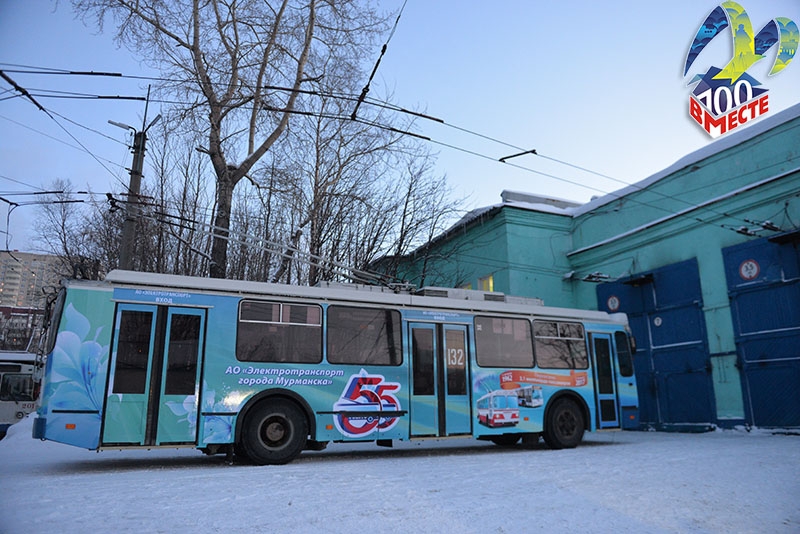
x=564, y=426
x=274, y=432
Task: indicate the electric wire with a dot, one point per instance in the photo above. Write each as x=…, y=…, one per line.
x=285, y=251
x=471, y=152
x=365, y=90
x=25, y=93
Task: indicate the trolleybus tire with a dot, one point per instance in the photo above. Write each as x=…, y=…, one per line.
x=274, y=432
x=505, y=440
x=239, y=451
x=564, y=426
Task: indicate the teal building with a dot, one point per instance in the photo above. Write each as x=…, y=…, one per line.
x=702, y=256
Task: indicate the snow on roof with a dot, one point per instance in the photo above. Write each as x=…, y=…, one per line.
x=524, y=201
x=532, y=199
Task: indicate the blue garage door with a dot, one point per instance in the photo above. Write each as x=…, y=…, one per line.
x=673, y=369
x=764, y=288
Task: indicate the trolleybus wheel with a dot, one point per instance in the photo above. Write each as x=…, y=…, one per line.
x=239, y=451
x=274, y=432
x=564, y=426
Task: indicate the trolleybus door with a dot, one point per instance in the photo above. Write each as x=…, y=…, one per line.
x=605, y=381
x=439, y=387
x=153, y=387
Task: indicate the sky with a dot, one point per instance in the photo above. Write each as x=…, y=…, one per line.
x=622, y=482
x=592, y=85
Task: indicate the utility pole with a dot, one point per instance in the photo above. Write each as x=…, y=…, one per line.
x=132, y=206
x=127, y=245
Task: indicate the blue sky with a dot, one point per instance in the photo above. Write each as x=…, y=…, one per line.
x=597, y=85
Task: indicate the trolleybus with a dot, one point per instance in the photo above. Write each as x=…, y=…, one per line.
x=17, y=395
x=498, y=408
x=145, y=360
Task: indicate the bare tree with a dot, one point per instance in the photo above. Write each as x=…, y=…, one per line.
x=244, y=64
x=102, y=227
x=339, y=167
x=58, y=227
x=179, y=206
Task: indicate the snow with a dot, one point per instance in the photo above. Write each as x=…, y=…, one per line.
x=723, y=481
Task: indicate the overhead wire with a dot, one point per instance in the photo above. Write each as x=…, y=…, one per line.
x=362, y=99
x=365, y=90
x=616, y=195
x=280, y=249
x=25, y=93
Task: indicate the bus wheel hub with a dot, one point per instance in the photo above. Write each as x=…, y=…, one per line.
x=275, y=431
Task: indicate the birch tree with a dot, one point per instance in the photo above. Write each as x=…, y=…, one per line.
x=240, y=67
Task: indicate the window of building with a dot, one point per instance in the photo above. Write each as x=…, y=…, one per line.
x=279, y=332
x=560, y=345
x=503, y=342
x=364, y=336
x=486, y=283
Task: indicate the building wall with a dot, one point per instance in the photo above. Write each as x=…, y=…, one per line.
x=24, y=276
x=25, y=281
x=466, y=255
x=523, y=251
x=537, y=247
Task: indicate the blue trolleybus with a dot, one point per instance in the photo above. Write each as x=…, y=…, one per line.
x=266, y=370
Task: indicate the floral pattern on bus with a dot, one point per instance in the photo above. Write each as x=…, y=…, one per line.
x=184, y=412
x=363, y=399
x=218, y=428
x=77, y=361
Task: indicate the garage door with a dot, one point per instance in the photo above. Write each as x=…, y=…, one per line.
x=673, y=369
x=764, y=287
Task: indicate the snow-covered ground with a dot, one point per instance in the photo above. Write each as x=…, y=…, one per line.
x=725, y=481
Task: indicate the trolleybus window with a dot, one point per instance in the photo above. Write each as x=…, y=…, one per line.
x=501, y=342
x=456, y=362
x=133, y=351
x=423, y=361
x=364, y=336
x=16, y=387
x=54, y=312
x=279, y=332
x=623, y=354
x=560, y=345
x=184, y=338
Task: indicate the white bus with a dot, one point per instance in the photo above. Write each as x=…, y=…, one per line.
x=498, y=408
x=17, y=392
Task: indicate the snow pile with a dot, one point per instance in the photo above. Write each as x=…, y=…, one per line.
x=725, y=481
